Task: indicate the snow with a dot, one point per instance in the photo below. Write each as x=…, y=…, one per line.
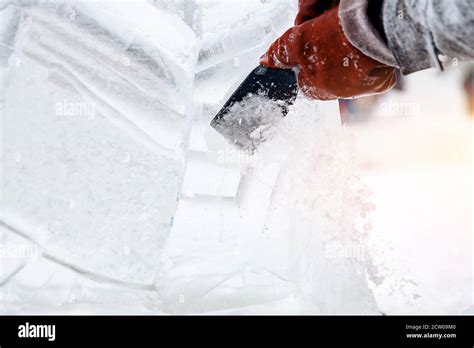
x=421, y=237
x=443, y=240
x=123, y=199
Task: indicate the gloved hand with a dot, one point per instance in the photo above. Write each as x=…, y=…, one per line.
x=310, y=9
x=328, y=66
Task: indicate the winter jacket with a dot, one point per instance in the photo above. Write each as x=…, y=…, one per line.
x=415, y=32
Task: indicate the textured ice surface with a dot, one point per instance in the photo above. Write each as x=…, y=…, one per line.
x=118, y=197
x=94, y=125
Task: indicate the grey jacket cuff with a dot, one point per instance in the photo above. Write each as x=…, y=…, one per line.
x=360, y=32
x=409, y=36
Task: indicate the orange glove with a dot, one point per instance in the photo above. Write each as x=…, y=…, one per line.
x=328, y=66
x=309, y=9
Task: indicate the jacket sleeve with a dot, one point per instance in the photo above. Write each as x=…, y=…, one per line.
x=417, y=31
